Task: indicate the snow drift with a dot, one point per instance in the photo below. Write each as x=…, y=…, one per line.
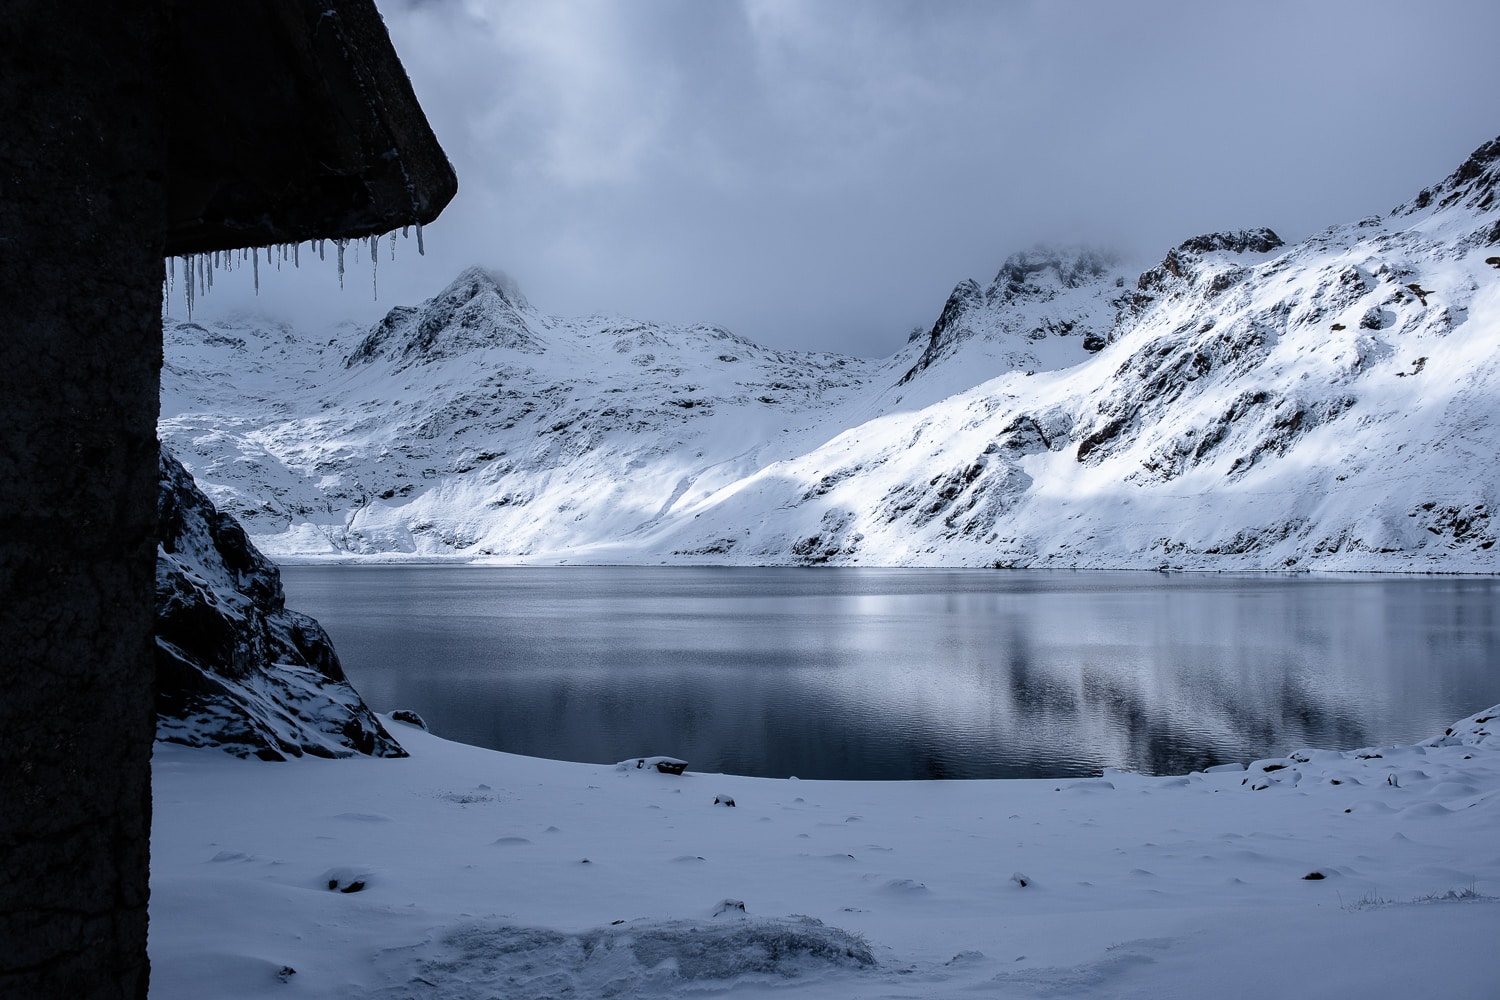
x=1321, y=873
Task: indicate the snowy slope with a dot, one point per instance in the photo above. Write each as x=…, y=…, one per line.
x=464, y=873
x=1242, y=404
x=477, y=425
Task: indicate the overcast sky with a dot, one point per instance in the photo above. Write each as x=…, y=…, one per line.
x=819, y=175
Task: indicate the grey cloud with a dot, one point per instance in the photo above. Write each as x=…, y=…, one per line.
x=819, y=175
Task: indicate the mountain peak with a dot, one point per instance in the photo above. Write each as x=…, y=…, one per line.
x=1475, y=183
x=480, y=308
x=1043, y=269
x=475, y=280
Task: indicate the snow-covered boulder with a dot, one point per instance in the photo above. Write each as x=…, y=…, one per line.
x=234, y=668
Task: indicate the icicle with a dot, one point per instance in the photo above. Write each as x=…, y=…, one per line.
x=255, y=263
x=187, y=284
x=393, y=245
x=320, y=251
x=421, y=252
x=340, y=244
x=374, y=268
x=296, y=255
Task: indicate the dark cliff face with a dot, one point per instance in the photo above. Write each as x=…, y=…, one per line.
x=234, y=668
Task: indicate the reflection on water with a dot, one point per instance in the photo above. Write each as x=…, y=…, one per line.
x=894, y=674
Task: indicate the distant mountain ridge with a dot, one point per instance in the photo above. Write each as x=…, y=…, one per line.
x=1241, y=405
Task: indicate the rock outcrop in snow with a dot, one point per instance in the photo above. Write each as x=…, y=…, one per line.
x=1034, y=299
x=1243, y=404
x=234, y=668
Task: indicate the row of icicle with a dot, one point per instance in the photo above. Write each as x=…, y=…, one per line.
x=195, y=271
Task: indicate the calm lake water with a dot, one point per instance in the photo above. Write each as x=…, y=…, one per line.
x=899, y=674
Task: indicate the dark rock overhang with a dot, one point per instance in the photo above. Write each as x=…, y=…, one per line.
x=291, y=120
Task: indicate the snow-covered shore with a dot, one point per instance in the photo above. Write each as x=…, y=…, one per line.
x=483, y=874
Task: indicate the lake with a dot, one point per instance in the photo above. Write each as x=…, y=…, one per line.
x=906, y=674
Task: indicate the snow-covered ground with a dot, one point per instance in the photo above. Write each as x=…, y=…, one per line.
x=1364, y=874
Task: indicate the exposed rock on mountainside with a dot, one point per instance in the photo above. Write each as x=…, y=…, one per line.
x=1473, y=185
x=1012, y=312
x=234, y=668
x=1242, y=404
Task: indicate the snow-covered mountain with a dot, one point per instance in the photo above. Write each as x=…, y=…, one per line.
x=1242, y=404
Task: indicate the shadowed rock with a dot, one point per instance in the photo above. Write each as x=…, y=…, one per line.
x=234, y=668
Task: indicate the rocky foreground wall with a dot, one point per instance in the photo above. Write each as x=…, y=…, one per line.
x=234, y=668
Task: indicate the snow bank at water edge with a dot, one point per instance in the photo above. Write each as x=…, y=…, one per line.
x=461, y=872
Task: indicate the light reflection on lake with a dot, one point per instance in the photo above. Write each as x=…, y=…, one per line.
x=898, y=674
